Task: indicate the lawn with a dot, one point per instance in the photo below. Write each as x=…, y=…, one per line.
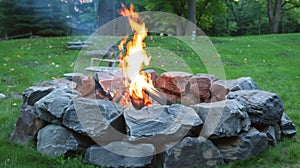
x=272, y=61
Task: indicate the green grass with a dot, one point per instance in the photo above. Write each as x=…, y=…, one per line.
x=272, y=61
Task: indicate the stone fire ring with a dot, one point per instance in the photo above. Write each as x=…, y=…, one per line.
x=210, y=122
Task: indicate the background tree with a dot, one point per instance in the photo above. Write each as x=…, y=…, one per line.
x=41, y=18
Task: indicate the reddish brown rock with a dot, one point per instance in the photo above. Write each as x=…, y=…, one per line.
x=218, y=92
x=174, y=82
x=200, y=86
x=88, y=87
x=111, y=82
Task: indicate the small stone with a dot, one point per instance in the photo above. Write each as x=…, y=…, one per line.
x=287, y=127
x=2, y=96
x=273, y=133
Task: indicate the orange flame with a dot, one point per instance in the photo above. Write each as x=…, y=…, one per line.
x=136, y=57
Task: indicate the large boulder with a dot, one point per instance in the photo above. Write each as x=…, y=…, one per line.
x=242, y=147
x=264, y=108
x=27, y=126
x=102, y=120
x=222, y=119
x=287, y=127
x=161, y=124
x=121, y=154
x=51, y=108
x=54, y=141
x=192, y=152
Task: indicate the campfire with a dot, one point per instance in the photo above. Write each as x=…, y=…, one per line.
x=134, y=86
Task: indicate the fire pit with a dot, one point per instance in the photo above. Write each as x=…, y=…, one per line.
x=130, y=117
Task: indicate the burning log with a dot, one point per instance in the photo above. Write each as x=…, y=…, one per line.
x=157, y=96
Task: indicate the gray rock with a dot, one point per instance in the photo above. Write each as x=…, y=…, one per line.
x=2, y=96
x=120, y=154
x=102, y=120
x=243, y=147
x=192, y=152
x=161, y=124
x=52, y=107
x=71, y=121
x=264, y=108
x=27, y=126
x=243, y=83
x=273, y=133
x=287, y=127
x=54, y=141
x=34, y=94
x=222, y=119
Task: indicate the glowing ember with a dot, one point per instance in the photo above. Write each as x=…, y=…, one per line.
x=136, y=57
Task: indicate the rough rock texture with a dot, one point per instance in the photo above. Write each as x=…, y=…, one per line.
x=287, y=127
x=174, y=82
x=218, y=92
x=54, y=140
x=200, y=86
x=243, y=83
x=264, y=108
x=101, y=119
x=88, y=87
x=51, y=108
x=28, y=122
x=34, y=94
x=120, y=154
x=27, y=126
x=273, y=133
x=71, y=121
x=242, y=147
x=222, y=119
x=162, y=123
x=192, y=152
x=112, y=82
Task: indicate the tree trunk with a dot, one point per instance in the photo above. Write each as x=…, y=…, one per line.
x=274, y=15
x=192, y=11
x=105, y=11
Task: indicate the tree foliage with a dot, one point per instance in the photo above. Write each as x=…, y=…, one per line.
x=215, y=17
